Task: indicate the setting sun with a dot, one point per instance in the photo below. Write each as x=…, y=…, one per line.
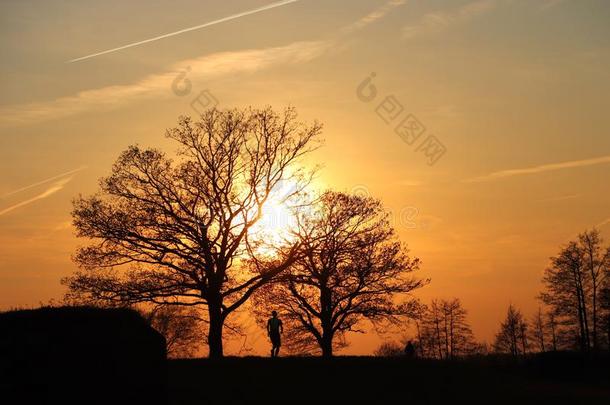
x=278, y=217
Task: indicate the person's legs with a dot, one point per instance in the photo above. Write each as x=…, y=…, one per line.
x=275, y=342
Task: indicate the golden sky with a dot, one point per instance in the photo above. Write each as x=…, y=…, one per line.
x=516, y=91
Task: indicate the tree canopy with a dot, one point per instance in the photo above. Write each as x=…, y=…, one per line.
x=178, y=230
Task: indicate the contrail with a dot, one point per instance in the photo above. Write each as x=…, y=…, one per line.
x=39, y=183
x=171, y=34
x=539, y=169
x=55, y=187
x=603, y=223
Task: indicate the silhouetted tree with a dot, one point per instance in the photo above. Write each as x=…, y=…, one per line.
x=480, y=349
x=180, y=326
x=538, y=330
x=389, y=349
x=353, y=268
x=551, y=324
x=512, y=336
x=431, y=331
x=524, y=337
x=596, y=262
x=573, y=285
x=564, y=282
x=179, y=231
x=605, y=306
x=443, y=330
x=417, y=316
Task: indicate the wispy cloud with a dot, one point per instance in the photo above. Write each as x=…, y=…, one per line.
x=54, y=188
x=373, y=16
x=182, y=31
x=437, y=22
x=158, y=85
x=62, y=226
x=207, y=67
x=603, y=223
x=560, y=198
x=539, y=169
x=39, y=183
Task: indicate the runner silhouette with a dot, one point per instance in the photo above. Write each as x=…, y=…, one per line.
x=274, y=331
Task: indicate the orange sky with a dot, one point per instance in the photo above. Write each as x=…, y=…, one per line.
x=516, y=91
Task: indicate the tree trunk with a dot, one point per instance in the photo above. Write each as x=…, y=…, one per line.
x=590, y=249
x=608, y=330
x=586, y=340
x=586, y=321
x=514, y=341
x=420, y=346
x=582, y=326
x=594, y=304
x=215, y=329
x=438, y=340
x=451, y=337
x=445, y=321
x=553, y=335
x=327, y=346
x=326, y=320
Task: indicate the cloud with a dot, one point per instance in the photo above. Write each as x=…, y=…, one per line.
x=434, y=23
x=560, y=198
x=603, y=223
x=39, y=183
x=373, y=16
x=182, y=31
x=158, y=85
x=539, y=169
x=203, y=68
x=62, y=226
x=54, y=188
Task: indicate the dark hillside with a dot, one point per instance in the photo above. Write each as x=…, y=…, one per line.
x=80, y=355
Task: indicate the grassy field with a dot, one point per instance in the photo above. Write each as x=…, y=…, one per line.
x=109, y=357
x=345, y=380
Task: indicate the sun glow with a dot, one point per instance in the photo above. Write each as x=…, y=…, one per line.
x=277, y=220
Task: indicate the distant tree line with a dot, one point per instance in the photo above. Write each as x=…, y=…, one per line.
x=576, y=314
x=443, y=331
x=577, y=286
x=576, y=296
